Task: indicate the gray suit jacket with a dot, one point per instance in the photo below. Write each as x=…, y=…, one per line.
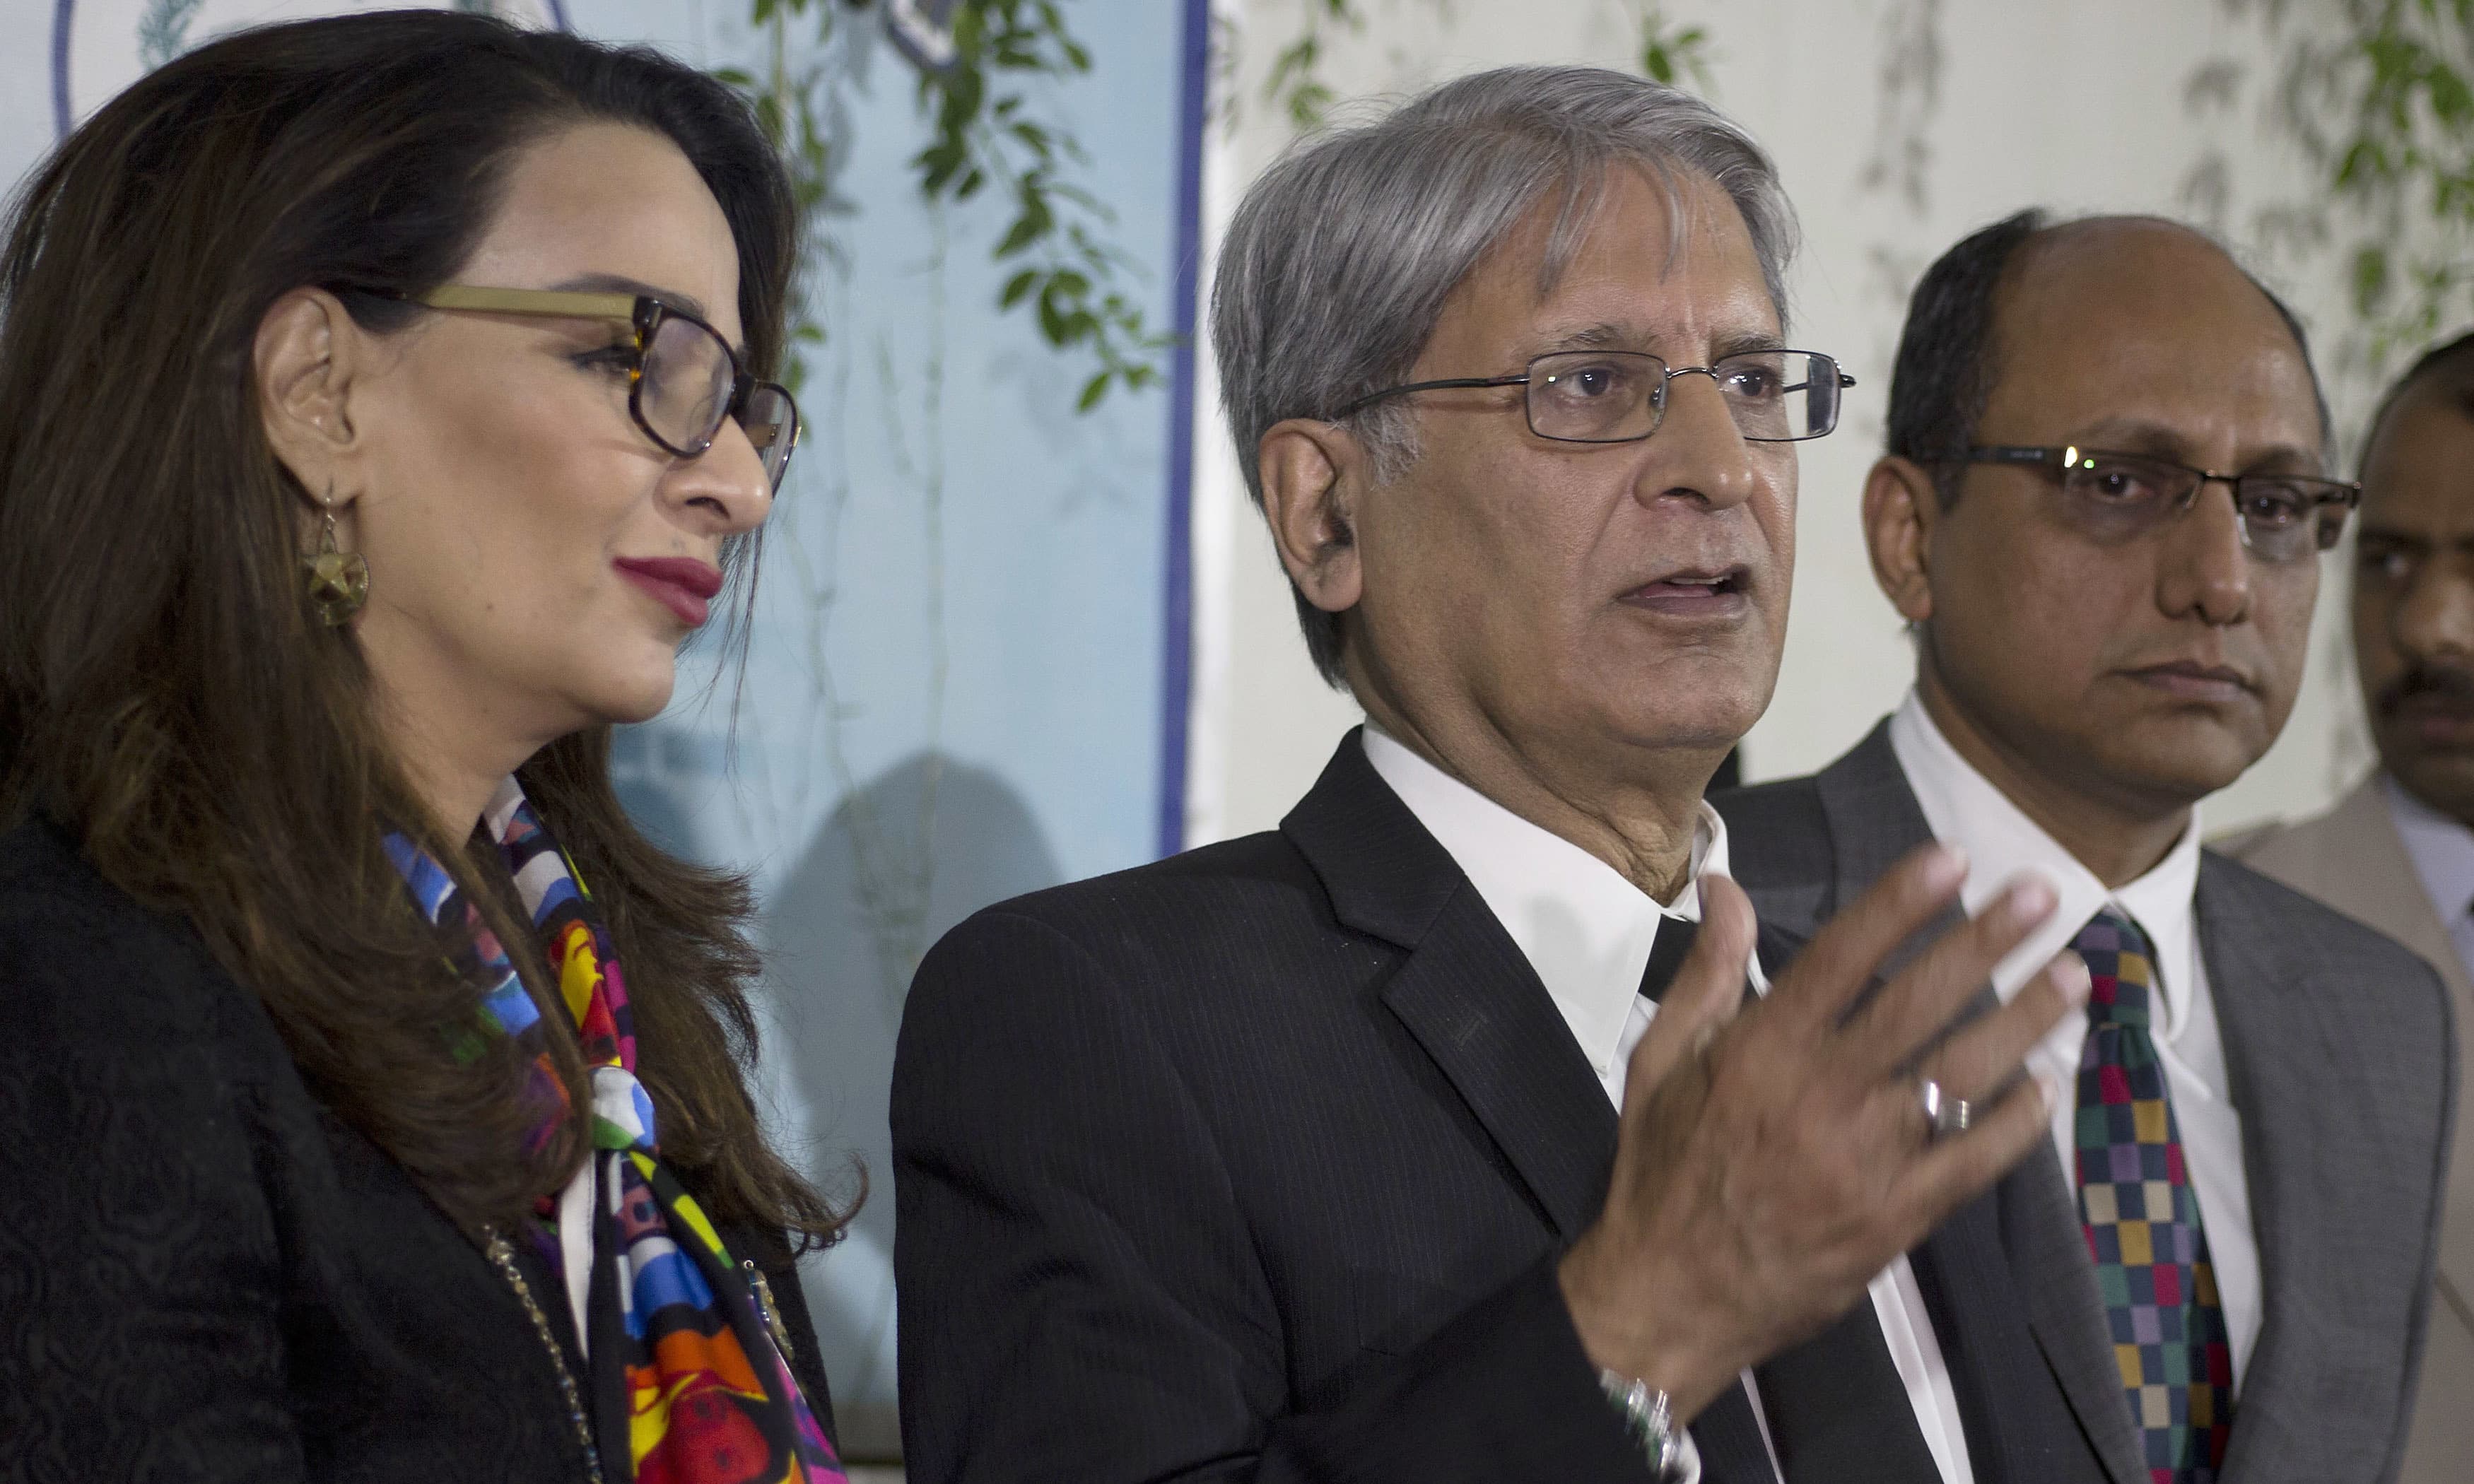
x=2352, y=859
x=2342, y=1060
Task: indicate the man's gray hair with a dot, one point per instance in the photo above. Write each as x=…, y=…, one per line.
x=1341, y=257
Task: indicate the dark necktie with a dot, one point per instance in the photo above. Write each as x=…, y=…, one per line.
x=2142, y=1218
x=1838, y=1411
x=1666, y=952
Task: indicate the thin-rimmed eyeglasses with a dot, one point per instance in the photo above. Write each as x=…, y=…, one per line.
x=1620, y=396
x=2118, y=496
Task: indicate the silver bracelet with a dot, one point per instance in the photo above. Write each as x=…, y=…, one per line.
x=1650, y=1419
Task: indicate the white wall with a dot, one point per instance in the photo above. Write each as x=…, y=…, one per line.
x=1899, y=126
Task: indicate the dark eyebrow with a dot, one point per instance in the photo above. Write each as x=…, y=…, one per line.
x=2389, y=537
x=620, y=283
x=2161, y=440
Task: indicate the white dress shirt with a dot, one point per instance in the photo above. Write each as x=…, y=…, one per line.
x=2443, y=852
x=1586, y=931
x=2001, y=843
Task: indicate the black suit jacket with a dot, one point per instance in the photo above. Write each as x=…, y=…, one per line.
x=1254, y=1163
x=206, y=1275
x=2342, y=1058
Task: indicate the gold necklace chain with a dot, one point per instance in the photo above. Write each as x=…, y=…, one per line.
x=503, y=1259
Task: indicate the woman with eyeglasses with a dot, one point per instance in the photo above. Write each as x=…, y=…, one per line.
x=380, y=411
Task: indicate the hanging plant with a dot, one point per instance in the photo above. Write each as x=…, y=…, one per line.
x=1296, y=85
x=984, y=66
x=2383, y=102
x=1671, y=52
x=1668, y=51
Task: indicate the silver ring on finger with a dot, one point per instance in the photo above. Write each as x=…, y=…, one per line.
x=1944, y=1115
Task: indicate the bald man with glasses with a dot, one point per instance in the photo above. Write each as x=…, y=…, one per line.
x=2100, y=516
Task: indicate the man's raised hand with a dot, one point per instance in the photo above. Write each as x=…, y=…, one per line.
x=1775, y=1157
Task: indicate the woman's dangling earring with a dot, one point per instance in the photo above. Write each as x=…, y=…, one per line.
x=339, y=582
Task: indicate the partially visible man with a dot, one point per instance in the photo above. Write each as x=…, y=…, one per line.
x=2102, y=515
x=1411, y=1143
x=2398, y=851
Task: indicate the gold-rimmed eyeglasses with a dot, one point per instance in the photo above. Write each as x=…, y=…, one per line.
x=683, y=378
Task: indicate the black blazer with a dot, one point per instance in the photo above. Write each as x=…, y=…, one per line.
x=1254, y=1164
x=204, y=1272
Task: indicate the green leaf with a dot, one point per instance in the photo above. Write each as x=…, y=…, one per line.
x=1296, y=60
x=1025, y=231
x=964, y=89
x=1036, y=221
x=1016, y=287
x=1093, y=391
x=1310, y=105
x=2371, y=279
x=940, y=163
x=2450, y=98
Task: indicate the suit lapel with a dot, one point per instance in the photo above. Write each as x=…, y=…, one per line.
x=2285, y=1046
x=2029, y=1225
x=2375, y=880
x=2056, y=1284
x=1465, y=992
x=1964, y=1275
x=1729, y=1437
x=1874, y=819
x=2367, y=872
x=1472, y=1003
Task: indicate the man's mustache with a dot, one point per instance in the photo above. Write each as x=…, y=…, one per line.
x=2437, y=681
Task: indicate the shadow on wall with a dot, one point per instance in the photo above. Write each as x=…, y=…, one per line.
x=843, y=933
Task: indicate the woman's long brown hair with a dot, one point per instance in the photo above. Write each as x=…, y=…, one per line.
x=168, y=698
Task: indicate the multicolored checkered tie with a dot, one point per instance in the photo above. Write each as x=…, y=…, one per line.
x=2142, y=1220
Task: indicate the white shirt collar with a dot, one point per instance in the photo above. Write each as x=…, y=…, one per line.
x=1584, y=927
x=2442, y=849
x=1963, y=809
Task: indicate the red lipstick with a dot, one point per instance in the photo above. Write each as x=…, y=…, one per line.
x=683, y=584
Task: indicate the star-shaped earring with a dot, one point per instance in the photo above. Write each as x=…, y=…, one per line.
x=339, y=581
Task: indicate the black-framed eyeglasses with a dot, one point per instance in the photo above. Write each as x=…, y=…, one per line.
x=2118, y=496
x=683, y=378
x=1619, y=397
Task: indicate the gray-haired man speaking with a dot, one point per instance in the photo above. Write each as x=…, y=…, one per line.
x=1362, y=1150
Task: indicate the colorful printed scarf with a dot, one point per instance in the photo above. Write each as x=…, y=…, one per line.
x=684, y=1374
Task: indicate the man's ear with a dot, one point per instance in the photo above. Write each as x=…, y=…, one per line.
x=1900, y=506
x=304, y=361
x=1308, y=469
